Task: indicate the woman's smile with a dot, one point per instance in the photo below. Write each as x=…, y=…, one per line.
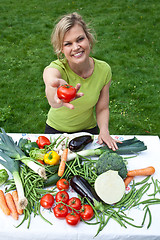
x=78, y=55
x=76, y=46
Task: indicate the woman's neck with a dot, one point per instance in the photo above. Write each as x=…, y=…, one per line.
x=84, y=70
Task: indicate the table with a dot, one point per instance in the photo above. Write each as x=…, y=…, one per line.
x=60, y=230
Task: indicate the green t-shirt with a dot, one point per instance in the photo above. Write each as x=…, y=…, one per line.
x=82, y=116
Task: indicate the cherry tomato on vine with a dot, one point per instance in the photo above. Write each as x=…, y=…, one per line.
x=60, y=211
x=63, y=184
x=62, y=196
x=66, y=93
x=47, y=201
x=72, y=218
x=86, y=212
x=75, y=203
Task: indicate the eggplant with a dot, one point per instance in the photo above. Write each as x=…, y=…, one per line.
x=78, y=143
x=84, y=189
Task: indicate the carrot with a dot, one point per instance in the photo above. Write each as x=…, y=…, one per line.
x=63, y=162
x=141, y=172
x=11, y=205
x=15, y=198
x=127, y=180
x=3, y=204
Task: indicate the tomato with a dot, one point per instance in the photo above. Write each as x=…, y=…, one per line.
x=63, y=184
x=62, y=196
x=40, y=161
x=60, y=211
x=72, y=218
x=47, y=201
x=42, y=141
x=75, y=203
x=86, y=212
x=66, y=93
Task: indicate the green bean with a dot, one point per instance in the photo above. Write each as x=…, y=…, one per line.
x=29, y=220
x=50, y=147
x=78, y=161
x=125, y=198
x=143, y=181
x=108, y=218
x=99, y=228
x=125, y=216
x=24, y=218
x=42, y=215
x=69, y=168
x=130, y=201
x=119, y=219
x=90, y=223
x=150, y=217
x=60, y=142
x=150, y=201
x=141, y=192
x=156, y=188
x=133, y=225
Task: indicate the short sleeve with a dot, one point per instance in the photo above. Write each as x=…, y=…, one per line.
x=60, y=67
x=109, y=74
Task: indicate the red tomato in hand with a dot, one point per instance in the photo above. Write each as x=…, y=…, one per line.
x=47, y=201
x=72, y=218
x=86, y=212
x=75, y=203
x=63, y=184
x=60, y=211
x=62, y=196
x=66, y=93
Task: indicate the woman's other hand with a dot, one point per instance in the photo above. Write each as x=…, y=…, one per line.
x=107, y=139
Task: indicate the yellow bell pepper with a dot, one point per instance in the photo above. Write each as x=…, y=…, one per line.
x=51, y=158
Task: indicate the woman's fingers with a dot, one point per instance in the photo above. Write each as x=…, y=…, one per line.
x=109, y=141
x=77, y=87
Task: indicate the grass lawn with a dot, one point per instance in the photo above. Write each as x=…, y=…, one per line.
x=128, y=39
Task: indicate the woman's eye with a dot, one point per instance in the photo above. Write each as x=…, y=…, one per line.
x=80, y=39
x=67, y=44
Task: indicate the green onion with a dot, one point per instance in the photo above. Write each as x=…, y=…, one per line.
x=13, y=166
x=130, y=146
x=10, y=149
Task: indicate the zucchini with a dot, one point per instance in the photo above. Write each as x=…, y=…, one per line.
x=52, y=180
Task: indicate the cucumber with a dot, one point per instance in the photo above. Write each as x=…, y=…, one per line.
x=52, y=180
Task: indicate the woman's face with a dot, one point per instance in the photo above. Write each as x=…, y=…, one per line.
x=76, y=46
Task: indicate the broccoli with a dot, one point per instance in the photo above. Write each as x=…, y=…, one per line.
x=111, y=161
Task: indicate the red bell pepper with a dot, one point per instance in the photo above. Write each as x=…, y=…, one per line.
x=43, y=141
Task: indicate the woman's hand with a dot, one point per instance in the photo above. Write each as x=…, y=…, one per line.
x=52, y=79
x=107, y=139
x=60, y=82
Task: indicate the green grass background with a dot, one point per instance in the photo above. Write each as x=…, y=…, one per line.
x=128, y=34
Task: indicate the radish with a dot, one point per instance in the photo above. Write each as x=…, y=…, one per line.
x=110, y=187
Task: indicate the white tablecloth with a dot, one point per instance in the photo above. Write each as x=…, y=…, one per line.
x=39, y=229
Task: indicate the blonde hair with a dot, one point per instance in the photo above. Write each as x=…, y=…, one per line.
x=66, y=23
